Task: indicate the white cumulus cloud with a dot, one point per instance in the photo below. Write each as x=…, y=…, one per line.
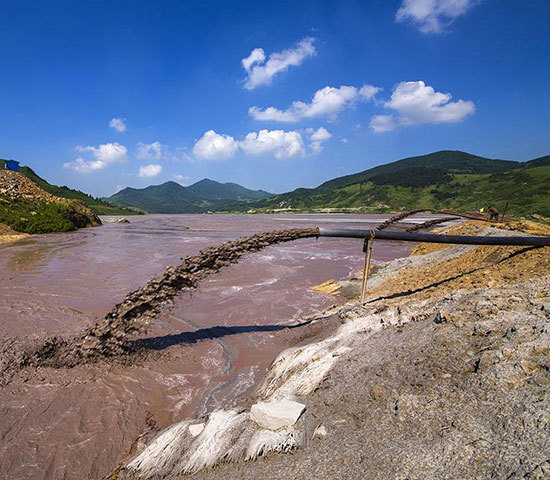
x=318, y=137
x=382, y=123
x=278, y=143
x=149, y=151
x=149, y=171
x=272, y=114
x=257, y=56
x=213, y=146
x=96, y=158
x=433, y=16
x=118, y=124
x=415, y=103
x=327, y=101
x=261, y=72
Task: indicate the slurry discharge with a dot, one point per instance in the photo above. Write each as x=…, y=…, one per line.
x=109, y=337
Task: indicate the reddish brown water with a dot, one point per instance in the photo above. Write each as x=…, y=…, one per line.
x=78, y=423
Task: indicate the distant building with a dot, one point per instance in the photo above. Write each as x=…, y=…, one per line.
x=11, y=165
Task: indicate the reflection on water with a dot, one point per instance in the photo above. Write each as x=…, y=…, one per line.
x=30, y=258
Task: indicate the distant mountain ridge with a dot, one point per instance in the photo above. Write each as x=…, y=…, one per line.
x=444, y=179
x=171, y=197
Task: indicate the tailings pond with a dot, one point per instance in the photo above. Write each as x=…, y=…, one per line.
x=78, y=423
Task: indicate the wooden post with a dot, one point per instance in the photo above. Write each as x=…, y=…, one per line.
x=368, y=255
x=504, y=213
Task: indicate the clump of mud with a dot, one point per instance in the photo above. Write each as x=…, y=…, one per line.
x=109, y=337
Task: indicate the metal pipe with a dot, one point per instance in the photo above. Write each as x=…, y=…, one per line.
x=434, y=238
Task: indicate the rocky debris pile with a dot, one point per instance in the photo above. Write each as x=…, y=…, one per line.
x=276, y=414
x=109, y=337
x=455, y=386
x=15, y=186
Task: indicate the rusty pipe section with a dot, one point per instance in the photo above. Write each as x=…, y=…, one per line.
x=434, y=238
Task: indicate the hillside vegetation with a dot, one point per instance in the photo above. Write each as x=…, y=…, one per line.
x=171, y=197
x=27, y=208
x=446, y=179
x=98, y=206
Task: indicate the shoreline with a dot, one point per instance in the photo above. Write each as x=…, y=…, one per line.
x=163, y=389
x=168, y=382
x=455, y=278
x=5, y=239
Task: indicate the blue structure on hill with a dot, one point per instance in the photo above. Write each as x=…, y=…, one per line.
x=11, y=165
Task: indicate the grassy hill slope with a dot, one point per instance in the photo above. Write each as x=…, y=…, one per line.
x=446, y=179
x=170, y=197
x=212, y=190
x=27, y=208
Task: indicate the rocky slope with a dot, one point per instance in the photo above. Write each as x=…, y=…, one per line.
x=443, y=373
x=27, y=208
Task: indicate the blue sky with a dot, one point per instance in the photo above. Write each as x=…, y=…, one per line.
x=102, y=95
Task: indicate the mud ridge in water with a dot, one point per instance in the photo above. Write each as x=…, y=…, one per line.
x=396, y=218
x=429, y=223
x=109, y=337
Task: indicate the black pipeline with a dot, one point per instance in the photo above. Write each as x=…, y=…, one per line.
x=434, y=238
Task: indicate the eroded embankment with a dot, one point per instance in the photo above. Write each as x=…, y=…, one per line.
x=109, y=337
x=444, y=373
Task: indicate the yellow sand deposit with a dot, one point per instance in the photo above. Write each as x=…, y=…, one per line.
x=330, y=286
x=482, y=266
x=7, y=235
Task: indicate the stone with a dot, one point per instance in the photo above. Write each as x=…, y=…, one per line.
x=196, y=429
x=439, y=318
x=115, y=220
x=320, y=432
x=277, y=414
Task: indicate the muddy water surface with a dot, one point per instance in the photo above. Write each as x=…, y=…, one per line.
x=207, y=350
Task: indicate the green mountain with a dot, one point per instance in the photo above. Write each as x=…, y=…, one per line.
x=98, y=206
x=445, y=179
x=171, y=197
x=211, y=190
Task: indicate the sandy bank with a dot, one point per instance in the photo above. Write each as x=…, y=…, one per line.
x=7, y=235
x=444, y=373
x=5, y=239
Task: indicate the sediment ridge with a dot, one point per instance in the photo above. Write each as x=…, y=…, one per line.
x=109, y=337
